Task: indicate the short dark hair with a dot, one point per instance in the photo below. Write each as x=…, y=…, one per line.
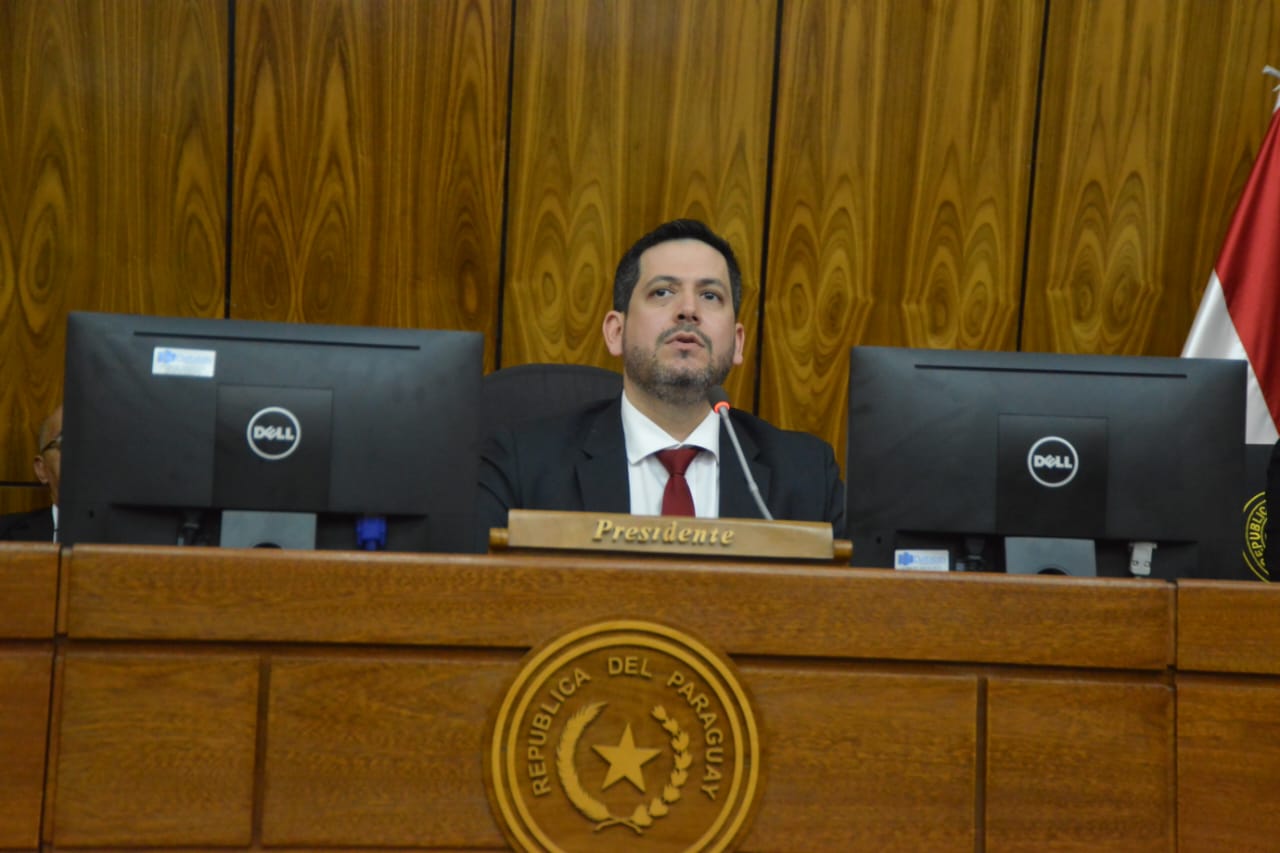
x=627, y=275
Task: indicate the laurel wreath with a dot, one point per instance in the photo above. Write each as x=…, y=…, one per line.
x=597, y=811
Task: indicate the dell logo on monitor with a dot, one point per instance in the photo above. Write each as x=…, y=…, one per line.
x=273, y=433
x=1053, y=461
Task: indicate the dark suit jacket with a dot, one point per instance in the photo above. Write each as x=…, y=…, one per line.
x=34, y=526
x=1271, y=557
x=578, y=462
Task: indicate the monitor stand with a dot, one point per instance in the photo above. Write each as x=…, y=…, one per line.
x=258, y=529
x=1037, y=555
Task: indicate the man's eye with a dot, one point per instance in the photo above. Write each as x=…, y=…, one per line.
x=712, y=295
x=661, y=291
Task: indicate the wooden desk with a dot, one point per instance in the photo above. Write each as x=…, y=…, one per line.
x=250, y=699
x=1228, y=716
x=28, y=596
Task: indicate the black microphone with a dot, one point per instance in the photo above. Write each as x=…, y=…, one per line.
x=720, y=404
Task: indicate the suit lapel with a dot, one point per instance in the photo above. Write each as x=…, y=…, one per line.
x=34, y=526
x=602, y=472
x=735, y=496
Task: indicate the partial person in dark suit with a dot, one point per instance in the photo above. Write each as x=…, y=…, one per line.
x=1271, y=543
x=676, y=295
x=40, y=525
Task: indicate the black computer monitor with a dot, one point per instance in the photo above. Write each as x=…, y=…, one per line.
x=243, y=433
x=1046, y=463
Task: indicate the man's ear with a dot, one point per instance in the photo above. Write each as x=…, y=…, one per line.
x=739, y=342
x=42, y=473
x=612, y=327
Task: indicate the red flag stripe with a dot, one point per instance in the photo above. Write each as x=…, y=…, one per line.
x=1249, y=268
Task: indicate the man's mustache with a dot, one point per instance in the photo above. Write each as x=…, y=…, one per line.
x=686, y=329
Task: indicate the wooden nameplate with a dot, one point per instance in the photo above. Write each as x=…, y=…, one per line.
x=736, y=538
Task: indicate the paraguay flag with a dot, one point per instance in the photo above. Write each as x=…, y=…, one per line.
x=1239, y=315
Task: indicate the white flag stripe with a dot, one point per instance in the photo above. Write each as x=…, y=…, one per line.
x=1213, y=335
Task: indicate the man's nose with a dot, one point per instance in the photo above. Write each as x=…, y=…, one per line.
x=687, y=307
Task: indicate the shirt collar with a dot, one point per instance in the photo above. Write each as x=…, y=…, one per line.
x=644, y=437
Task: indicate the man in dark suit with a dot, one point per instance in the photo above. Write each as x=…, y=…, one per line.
x=1271, y=530
x=676, y=295
x=40, y=525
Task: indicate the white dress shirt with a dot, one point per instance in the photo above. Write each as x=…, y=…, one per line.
x=647, y=475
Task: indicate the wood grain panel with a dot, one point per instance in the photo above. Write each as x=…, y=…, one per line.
x=1228, y=627
x=25, y=676
x=380, y=752
x=1152, y=112
x=369, y=161
x=23, y=498
x=627, y=113
x=28, y=590
x=1073, y=765
x=113, y=183
x=1223, y=105
x=900, y=189
x=117, y=592
x=1228, y=752
x=904, y=750
x=156, y=750
x=355, y=749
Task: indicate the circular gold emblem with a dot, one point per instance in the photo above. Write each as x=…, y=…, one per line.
x=624, y=735
x=1255, y=535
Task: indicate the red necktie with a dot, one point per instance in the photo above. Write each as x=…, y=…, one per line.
x=676, y=497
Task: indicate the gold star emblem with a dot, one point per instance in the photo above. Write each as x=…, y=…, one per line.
x=625, y=760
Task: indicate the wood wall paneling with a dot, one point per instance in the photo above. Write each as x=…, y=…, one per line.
x=901, y=173
x=624, y=115
x=156, y=752
x=112, y=183
x=369, y=151
x=370, y=142
x=1151, y=115
x=21, y=498
x=1099, y=776
x=1223, y=104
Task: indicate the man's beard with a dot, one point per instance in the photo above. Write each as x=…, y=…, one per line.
x=678, y=384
